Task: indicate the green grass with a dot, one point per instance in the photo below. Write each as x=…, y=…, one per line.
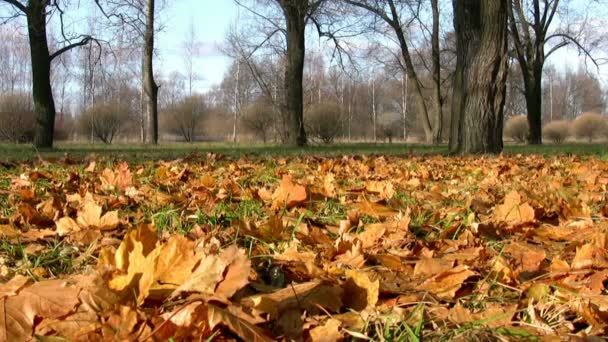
x=168, y=151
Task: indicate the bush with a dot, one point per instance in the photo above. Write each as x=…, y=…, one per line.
x=17, y=118
x=517, y=128
x=104, y=120
x=184, y=117
x=557, y=131
x=259, y=118
x=323, y=121
x=589, y=126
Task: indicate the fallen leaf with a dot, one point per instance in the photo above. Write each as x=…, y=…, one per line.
x=243, y=329
x=359, y=291
x=288, y=194
x=120, y=179
x=13, y=286
x=46, y=299
x=305, y=296
x=513, y=210
x=237, y=273
x=328, y=332
x=445, y=284
x=590, y=256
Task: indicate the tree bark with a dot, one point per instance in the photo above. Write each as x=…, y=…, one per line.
x=295, y=12
x=436, y=56
x=480, y=78
x=44, y=104
x=150, y=86
x=534, y=97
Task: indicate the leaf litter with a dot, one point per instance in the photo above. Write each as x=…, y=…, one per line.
x=305, y=248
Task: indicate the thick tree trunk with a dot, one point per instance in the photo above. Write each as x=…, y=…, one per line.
x=534, y=103
x=481, y=74
x=44, y=104
x=150, y=86
x=295, y=16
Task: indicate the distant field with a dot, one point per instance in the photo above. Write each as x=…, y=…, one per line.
x=136, y=152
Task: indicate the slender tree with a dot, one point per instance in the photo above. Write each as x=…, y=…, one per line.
x=36, y=13
x=481, y=73
x=390, y=12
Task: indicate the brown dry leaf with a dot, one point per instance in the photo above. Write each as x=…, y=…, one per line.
x=237, y=274
x=329, y=185
x=90, y=217
x=120, y=179
x=7, y=231
x=144, y=234
x=303, y=296
x=292, y=254
x=371, y=235
x=528, y=258
x=590, y=256
x=428, y=267
x=66, y=226
x=288, y=194
x=374, y=209
x=383, y=188
x=353, y=257
x=46, y=299
x=242, y=328
x=328, y=332
x=205, y=277
x=13, y=286
x=120, y=325
x=493, y=316
x=359, y=291
x=513, y=210
x=445, y=284
x=175, y=264
x=74, y=327
x=140, y=273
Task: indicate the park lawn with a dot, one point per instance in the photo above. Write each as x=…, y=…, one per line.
x=169, y=151
x=387, y=242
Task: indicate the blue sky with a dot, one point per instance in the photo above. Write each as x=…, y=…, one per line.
x=211, y=19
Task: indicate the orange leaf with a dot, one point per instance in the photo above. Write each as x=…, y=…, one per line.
x=288, y=194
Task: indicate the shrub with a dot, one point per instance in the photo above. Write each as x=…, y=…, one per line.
x=557, y=131
x=104, y=120
x=517, y=128
x=323, y=121
x=259, y=118
x=589, y=126
x=17, y=118
x=185, y=116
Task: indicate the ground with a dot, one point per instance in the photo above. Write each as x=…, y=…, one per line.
x=381, y=242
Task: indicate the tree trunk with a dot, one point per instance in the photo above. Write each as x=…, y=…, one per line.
x=295, y=16
x=436, y=56
x=480, y=78
x=411, y=74
x=150, y=86
x=534, y=103
x=44, y=104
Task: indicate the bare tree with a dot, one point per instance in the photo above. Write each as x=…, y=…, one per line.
x=140, y=16
x=534, y=41
x=481, y=74
x=184, y=117
x=392, y=13
x=190, y=47
x=295, y=16
x=37, y=13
